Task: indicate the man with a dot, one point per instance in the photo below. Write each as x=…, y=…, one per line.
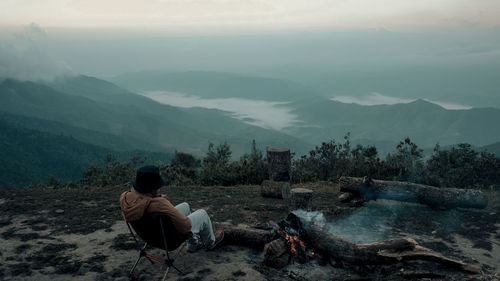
x=144, y=198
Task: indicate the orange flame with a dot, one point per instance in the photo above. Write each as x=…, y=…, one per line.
x=293, y=241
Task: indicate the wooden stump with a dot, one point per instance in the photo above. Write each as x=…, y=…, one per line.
x=300, y=198
x=279, y=161
x=275, y=189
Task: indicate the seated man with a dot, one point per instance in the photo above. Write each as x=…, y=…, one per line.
x=144, y=198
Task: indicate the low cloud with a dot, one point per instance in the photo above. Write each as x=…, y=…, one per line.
x=379, y=99
x=23, y=57
x=265, y=114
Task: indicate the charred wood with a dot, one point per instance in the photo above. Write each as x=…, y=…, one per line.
x=384, y=252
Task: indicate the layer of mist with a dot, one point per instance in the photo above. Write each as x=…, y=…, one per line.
x=265, y=114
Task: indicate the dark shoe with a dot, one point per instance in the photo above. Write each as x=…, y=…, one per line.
x=219, y=236
x=194, y=243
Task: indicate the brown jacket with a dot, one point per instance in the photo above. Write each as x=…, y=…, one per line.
x=134, y=204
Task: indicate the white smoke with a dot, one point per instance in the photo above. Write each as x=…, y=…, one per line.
x=382, y=219
x=23, y=57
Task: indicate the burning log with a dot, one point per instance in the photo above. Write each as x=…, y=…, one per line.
x=300, y=198
x=384, y=252
x=415, y=193
x=275, y=189
x=298, y=237
x=279, y=161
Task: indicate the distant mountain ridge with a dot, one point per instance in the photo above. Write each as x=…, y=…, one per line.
x=424, y=122
x=322, y=119
x=492, y=148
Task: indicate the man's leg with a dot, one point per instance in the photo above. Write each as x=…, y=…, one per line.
x=193, y=241
x=201, y=224
x=184, y=208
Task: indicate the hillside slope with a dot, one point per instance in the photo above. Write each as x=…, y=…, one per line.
x=27, y=156
x=101, y=106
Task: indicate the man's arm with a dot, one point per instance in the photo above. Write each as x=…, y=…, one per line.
x=160, y=204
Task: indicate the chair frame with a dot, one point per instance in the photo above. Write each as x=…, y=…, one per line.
x=168, y=261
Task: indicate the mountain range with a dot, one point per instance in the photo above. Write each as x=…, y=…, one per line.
x=320, y=118
x=92, y=117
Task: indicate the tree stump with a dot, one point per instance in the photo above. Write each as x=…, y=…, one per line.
x=279, y=161
x=300, y=198
x=275, y=189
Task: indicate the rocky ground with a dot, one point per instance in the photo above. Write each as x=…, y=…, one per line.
x=78, y=234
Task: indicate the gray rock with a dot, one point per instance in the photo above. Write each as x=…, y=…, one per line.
x=59, y=211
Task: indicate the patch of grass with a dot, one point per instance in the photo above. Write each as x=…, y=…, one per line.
x=239, y=273
x=20, y=269
x=8, y=234
x=97, y=263
x=22, y=248
x=204, y=271
x=124, y=242
x=53, y=255
x=39, y=227
x=69, y=267
x=5, y=222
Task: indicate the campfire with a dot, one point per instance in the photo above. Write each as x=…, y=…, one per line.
x=290, y=230
x=296, y=239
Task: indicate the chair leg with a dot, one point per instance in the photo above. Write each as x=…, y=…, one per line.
x=141, y=254
x=166, y=272
x=135, y=265
x=178, y=270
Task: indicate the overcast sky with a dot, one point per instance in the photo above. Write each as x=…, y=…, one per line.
x=251, y=15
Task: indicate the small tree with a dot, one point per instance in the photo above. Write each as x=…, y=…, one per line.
x=251, y=168
x=215, y=169
x=182, y=170
x=406, y=164
x=114, y=172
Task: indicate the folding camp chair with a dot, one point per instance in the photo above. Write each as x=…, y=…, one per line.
x=157, y=231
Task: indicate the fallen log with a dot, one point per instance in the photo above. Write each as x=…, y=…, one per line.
x=386, y=252
x=435, y=197
x=244, y=235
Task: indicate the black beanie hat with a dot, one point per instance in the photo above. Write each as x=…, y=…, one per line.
x=148, y=179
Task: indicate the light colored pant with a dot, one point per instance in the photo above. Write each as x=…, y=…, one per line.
x=200, y=225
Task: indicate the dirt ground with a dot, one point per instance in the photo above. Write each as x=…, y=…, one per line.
x=79, y=234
